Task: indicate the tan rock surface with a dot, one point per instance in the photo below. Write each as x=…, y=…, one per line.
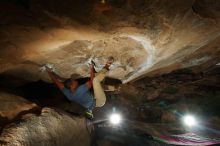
x=143, y=36
x=51, y=128
x=12, y=105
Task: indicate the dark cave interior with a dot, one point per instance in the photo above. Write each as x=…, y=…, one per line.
x=166, y=71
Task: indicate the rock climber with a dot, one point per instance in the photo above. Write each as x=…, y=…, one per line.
x=82, y=93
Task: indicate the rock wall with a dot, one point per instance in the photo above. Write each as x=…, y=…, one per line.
x=145, y=37
x=162, y=99
x=50, y=128
x=23, y=123
x=13, y=106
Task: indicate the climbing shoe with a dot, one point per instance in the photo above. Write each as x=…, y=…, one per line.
x=89, y=114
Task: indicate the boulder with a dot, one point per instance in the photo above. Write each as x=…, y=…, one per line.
x=50, y=128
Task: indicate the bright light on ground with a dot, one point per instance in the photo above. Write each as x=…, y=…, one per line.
x=189, y=120
x=115, y=119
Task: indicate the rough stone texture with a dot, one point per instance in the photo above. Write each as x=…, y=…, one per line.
x=12, y=106
x=162, y=98
x=51, y=128
x=144, y=36
x=21, y=124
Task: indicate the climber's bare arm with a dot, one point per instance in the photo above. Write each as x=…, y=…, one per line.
x=59, y=84
x=92, y=75
x=59, y=77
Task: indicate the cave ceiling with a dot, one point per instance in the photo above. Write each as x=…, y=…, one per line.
x=146, y=37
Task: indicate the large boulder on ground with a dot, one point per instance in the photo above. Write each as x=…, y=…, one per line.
x=51, y=128
x=12, y=106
